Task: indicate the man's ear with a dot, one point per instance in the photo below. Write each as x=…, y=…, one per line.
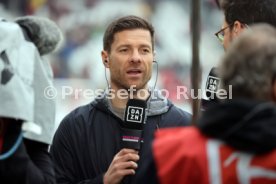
x=238, y=28
x=105, y=59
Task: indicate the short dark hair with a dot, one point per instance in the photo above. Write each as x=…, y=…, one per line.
x=125, y=23
x=249, y=11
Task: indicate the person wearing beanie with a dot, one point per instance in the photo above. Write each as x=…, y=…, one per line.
x=26, y=116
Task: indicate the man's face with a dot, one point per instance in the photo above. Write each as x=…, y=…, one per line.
x=232, y=31
x=228, y=35
x=130, y=59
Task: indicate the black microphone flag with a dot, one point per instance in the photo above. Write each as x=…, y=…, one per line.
x=212, y=86
x=133, y=124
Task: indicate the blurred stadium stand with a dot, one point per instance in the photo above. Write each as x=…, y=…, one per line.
x=78, y=62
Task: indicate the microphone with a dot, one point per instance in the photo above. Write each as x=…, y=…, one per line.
x=132, y=127
x=43, y=32
x=211, y=88
x=212, y=84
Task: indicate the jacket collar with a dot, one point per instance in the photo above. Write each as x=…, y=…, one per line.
x=156, y=104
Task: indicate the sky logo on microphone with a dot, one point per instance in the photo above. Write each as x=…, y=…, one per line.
x=135, y=114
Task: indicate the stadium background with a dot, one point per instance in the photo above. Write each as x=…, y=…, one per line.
x=78, y=62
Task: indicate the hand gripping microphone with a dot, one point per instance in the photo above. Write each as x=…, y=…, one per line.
x=132, y=129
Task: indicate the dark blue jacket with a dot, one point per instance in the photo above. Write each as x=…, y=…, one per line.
x=89, y=137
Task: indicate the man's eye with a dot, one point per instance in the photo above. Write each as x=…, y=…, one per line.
x=146, y=50
x=123, y=50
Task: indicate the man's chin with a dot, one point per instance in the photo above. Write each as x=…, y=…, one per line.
x=136, y=86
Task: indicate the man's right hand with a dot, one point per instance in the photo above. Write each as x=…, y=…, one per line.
x=123, y=164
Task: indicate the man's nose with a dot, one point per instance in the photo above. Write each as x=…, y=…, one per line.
x=135, y=57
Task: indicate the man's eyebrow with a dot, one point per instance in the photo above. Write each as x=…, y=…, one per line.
x=129, y=45
x=146, y=45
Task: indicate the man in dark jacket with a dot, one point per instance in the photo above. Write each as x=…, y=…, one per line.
x=86, y=146
x=235, y=22
x=234, y=141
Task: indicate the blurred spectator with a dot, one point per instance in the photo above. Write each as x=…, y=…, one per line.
x=234, y=141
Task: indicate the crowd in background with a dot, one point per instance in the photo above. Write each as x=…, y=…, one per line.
x=78, y=61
